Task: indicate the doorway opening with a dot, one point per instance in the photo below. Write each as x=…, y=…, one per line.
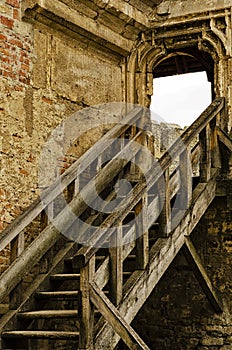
x=182, y=87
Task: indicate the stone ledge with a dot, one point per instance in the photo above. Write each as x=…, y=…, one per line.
x=61, y=16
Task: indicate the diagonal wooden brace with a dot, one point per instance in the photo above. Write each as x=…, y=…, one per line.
x=195, y=262
x=117, y=322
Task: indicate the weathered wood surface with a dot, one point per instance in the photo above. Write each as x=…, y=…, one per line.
x=142, y=237
x=114, y=318
x=27, y=295
x=116, y=266
x=141, y=283
x=86, y=308
x=195, y=262
x=224, y=138
x=63, y=221
x=155, y=172
x=72, y=173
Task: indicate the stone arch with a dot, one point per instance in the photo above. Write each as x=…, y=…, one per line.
x=150, y=52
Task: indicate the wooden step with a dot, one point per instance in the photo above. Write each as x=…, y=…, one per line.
x=41, y=335
x=57, y=295
x=4, y=308
x=65, y=277
x=45, y=314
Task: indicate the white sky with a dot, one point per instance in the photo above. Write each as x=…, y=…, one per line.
x=180, y=99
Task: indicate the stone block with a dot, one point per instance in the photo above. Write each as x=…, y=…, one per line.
x=212, y=341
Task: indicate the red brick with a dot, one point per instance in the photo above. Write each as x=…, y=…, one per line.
x=24, y=80
x=17, y=43
x=8, y=74
x=5, y=52
x=6, y=59
x=22, y=73
x=9, y=23
x=16, y=14
x=3, y=37
x=18, y=88
x=14, y=3
x=47, y=100
x=25, y=67
x=7, y=67
x=24, y=172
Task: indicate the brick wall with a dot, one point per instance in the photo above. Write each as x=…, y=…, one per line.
x=15, y=49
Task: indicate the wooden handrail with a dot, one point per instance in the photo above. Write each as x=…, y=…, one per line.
x=23, y=220
x=152, y=176
x=34, y=252
x=49, y=236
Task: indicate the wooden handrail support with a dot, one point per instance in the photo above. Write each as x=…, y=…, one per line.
x=154, y=174
x=114, y=318
x=224, y=138
x=35, y=251
x=141, y=283
x=23, y=220
x=49, y=236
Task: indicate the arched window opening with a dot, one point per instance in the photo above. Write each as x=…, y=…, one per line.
x=182, y=87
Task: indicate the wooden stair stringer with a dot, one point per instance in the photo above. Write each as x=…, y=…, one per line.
x=142, y=282
x=38, y=284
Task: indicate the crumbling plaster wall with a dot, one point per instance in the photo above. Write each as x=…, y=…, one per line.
x=45, y=76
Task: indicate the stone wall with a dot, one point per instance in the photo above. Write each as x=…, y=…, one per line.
x=177, y=315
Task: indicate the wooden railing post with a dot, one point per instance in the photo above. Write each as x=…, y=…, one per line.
x=116, y=266
x=86, y=308
x=165, y=214
x=185, y=179
x=17, y=247
x=205, y=147
x=215, y=151
x=142, y=244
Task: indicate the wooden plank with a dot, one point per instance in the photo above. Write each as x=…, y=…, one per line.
x=86, y=308
x=142, y=238
x=215, y=150
x=116, y=266
x=205, y=146
x=35, y=209
x=139, y=286
x=178, y=147
x=165, y=214
x=195, y=262
x=22, y=221
x=28, y=293
x=63, y=221
x=224, y=138
x=112, y=315
x=185, y=170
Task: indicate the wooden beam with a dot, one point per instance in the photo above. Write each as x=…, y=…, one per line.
x=195, y=262
x=86, y=308
x=117, y=322
x=205, y=146
x=23, y=220
x=116, y=266
x=142, y=238
x=224, y=138
x=62, y=15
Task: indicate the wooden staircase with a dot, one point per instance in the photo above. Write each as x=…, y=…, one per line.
x=62, y=294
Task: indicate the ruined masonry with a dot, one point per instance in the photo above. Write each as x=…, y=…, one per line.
x=155, y=272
